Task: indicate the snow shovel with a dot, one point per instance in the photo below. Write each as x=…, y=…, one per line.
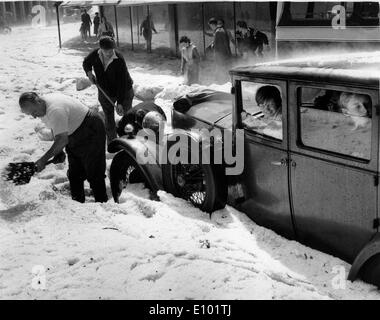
x=21, y=172
x=84, y=83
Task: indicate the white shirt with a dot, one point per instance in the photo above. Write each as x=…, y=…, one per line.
x=187, y=53
x=63, y=113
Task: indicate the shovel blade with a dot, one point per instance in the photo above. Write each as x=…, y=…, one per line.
x=19, y=172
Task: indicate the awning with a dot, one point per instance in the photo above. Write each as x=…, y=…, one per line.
x=152, y=2
x=79, y=3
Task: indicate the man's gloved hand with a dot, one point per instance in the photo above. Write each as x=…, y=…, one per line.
x=40, y=164
x=119, y=109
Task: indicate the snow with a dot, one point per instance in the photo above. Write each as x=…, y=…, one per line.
x=140, y=248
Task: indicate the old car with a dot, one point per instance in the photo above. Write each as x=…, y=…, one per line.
x=311, y=173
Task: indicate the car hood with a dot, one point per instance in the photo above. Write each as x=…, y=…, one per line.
x=212, y=112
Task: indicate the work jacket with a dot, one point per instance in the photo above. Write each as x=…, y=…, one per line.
x=115, y=80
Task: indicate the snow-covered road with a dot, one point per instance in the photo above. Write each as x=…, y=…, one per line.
x=139, y=249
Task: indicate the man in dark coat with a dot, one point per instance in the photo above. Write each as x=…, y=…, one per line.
x=113, y=78
x=86, y=23
x=260, y=39
x=250, y=40
x=96, y=23
x=221, y=49
x=146, y=29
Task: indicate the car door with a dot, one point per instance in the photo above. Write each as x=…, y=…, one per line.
x=265, y=175
x=333, y=166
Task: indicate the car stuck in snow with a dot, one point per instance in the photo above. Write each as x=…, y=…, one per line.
x=310, y=153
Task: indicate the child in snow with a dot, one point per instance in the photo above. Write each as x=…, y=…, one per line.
x=189, y=61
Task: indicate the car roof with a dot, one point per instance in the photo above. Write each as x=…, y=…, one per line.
x=361, y=69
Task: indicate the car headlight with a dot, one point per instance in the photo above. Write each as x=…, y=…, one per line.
x=129, y=129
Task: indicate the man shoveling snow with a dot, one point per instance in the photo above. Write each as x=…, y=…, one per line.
x=78, y=129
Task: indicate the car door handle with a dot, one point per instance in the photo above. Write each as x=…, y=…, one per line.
x=279, y=163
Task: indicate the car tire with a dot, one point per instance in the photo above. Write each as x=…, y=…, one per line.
x=208, y=182
x=123, y=170
x=370, y=271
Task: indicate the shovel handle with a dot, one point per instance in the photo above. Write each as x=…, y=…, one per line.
x=50, y=161
x=105, y=94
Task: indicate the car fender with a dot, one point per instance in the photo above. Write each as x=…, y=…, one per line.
x=370, y=249
x=137, y=145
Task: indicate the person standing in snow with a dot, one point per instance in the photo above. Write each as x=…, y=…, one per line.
x=189, y=61
x=220, y=48
x=112, y=76
x=260, y=39
x=96, y=23
x=81, y=131
x=250, y=41
x=146, y=28
x=86, y=24
x=105, y=28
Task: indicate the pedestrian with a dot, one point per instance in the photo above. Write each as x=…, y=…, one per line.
x=105, y=28
x=81, y=131
x=221, y=49
x=96, y=23
x=260, y=39
x=82, y=31
x=250, y=41
x=242, y=36
x=190, y=60
x=86, y=24
x=112, y=76
x=146, y=29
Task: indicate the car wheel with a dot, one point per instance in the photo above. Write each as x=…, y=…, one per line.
x=195, y=183
x=123, y=171
x=370, y=272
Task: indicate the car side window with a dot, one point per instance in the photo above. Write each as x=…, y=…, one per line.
x=336, y=121
x=262, y=109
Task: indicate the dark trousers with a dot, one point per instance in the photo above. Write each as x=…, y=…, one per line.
x=109, y=112
x=87, y=158
x=148, y=38
x=260, y=49
x=221, y=68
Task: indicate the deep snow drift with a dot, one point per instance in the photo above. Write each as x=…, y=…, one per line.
x=139, y=249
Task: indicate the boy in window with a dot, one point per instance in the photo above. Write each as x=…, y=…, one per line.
x=269, y=120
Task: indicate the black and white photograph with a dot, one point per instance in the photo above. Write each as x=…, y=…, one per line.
x=189, y=150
